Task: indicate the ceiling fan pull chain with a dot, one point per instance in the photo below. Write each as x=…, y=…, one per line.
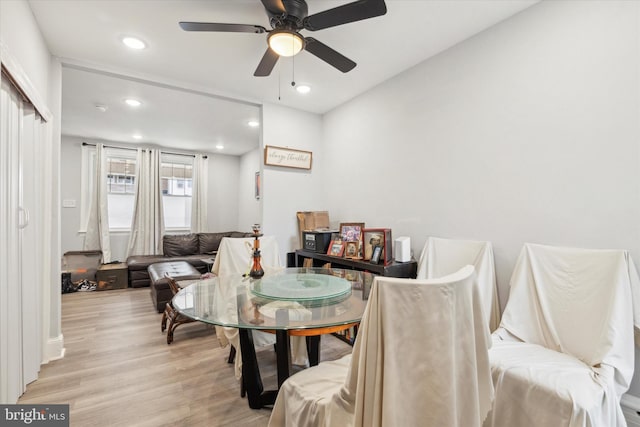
x=293, y=65
x=293, y=71
x=279, y=79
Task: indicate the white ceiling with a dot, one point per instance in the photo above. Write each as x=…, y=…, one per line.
x=168, y=117
x=86, y=36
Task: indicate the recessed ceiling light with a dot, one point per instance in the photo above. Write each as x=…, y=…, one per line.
x=133, y=102
x=133, y=43
x=253, y=123
x=303, y=89
x=220, y=146
x=101, y=108
x=137, y=136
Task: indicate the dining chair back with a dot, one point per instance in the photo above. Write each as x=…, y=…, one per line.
x=564, y=352
x=440, y=378
x=441, y=257
x=171, y=315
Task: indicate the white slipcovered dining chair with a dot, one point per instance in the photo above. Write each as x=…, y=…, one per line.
x=442, y=379
x=235, y=257
x=564, y=352
x=441, y=257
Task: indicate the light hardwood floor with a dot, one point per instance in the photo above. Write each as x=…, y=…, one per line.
x=119, y=371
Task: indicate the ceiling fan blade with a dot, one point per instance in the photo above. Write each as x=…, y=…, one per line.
x=350, y=12
x=228, y=28
x=274, y=6
x=266, y=64
x=329, y=55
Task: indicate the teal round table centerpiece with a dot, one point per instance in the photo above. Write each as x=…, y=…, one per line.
x=301, y=287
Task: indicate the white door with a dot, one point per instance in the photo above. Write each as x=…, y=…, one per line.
x=31, y=250
x=20, y=275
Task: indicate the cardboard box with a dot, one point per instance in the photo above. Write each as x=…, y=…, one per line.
x=81, y=264
x=311, y=221
x=112, y=276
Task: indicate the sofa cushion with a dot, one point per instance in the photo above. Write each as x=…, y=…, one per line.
x=180, y=245
x=210, y=242
x=141, y=262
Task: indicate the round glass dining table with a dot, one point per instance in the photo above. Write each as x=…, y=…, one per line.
x=288, y=302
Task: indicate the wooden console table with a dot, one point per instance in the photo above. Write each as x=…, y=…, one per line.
x=395, y=269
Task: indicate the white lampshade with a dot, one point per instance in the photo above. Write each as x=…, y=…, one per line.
x=285, y=43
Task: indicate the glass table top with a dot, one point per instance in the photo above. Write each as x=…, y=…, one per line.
x=291, y=298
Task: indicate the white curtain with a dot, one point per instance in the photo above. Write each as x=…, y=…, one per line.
x=148, y=219
x=199, y=195
x=97, y=236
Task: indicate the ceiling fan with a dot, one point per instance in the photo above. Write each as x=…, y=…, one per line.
x=287, y=18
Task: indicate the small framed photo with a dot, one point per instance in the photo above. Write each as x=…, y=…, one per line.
x=373, y=237
x=352, y=250
x=352, y=232
x=336, y=248
x=375, y=256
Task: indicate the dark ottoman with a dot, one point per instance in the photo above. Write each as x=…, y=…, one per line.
x=160, y=291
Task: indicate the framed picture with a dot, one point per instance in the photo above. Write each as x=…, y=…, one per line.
x=352, y=250
x=257, y=186
x=336, y=248
x=352, y=232
x=373, y=237
x=375, y=256
x=287, y=157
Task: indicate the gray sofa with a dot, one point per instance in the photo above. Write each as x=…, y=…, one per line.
x=196, y=249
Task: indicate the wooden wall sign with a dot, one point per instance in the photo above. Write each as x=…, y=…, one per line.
x=287, y=157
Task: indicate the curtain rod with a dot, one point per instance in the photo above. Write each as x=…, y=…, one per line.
x=135, y=149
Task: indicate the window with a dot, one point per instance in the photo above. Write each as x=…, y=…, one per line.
x=121, y=185
x=121, y=188
x=121, y=176
x=177, y=188
x=176, y=174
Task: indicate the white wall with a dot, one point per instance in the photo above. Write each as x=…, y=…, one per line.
x=527, y=132
x=286, y=190
x=249, y=208
x=70, y=182
x=20, y=34
x=222, y=196
x=224, y=172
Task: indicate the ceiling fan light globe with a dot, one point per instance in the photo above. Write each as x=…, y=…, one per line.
x=285, y=43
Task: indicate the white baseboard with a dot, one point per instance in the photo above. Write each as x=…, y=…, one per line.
x=631, y=409
x=54, y=349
